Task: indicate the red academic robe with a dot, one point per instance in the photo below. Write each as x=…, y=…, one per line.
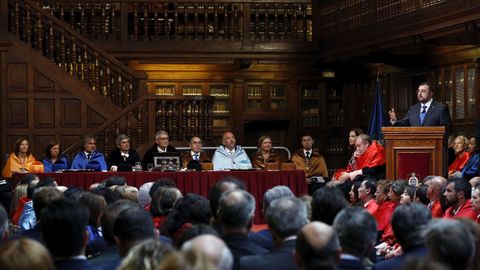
x=459, y=162
x=465, y=211
x=372, y=157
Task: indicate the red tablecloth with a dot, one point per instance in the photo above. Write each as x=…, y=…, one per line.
x=257, y=182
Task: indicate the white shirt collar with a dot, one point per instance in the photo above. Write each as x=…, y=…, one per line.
x=160, y=150
x=305, y=152
x=426, y=104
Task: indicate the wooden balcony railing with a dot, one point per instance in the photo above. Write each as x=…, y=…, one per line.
x=150, y=20
x=74, y=53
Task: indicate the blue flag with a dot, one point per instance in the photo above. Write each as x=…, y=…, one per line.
x=377, y=117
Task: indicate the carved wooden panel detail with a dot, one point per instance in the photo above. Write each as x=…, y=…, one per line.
x=70, y=113
x=66, y=141
x=42, y=83
x=17, y=113
x=17, y=77
x=40, y=142
x=93, y=118
x=44, y=111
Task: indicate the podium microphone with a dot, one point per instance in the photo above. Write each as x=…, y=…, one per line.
x=405, y=118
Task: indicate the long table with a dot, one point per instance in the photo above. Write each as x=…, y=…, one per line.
x=256, y=182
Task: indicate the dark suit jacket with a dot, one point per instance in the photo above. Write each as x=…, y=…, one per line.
x=187, y=157
x=74, y=264
x=280, y=258
x=148, y=157
x=398, y=262
x=240, y=246
x=350, y=264
x=437, y=115
x=116, y=158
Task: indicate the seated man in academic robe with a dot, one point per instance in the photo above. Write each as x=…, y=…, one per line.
x=369, y=160
x=123, y=158
x=229, y=155
x=161, y=145
x=89, y=158
x=195, y=154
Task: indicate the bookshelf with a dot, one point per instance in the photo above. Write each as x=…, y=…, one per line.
x=221, y=105
x=266, y=97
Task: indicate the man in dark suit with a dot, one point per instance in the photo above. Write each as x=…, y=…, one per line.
x=123, y=157
x=195, y=153
x=63, y=227
x=427, y=112
x=161, y=145
x=408, y=222
x=235, y=212
x=357, y=231
x=286, y=216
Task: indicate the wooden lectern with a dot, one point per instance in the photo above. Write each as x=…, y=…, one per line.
x=419, y=150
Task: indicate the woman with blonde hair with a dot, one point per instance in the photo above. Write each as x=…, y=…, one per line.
x=460, y=145
x=20, y=160
x=25, y=254
x=265, y=153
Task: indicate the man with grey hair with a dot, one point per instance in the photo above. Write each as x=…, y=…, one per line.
x=89, y=158
x=214, y=250
x=235, y=212
x=285, y=217
x=161, y=145
x=408, y=222
x=3, y=225
x=450, y=243
x=123, y=157
x=317, y=247
x=357, y=231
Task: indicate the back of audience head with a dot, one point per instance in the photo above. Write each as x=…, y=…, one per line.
x=307, y=200
x=163, y=182
x=44, y=197
x=408, y=222
x=421, y=195
x=144, y=198
x=317, y=247
x=213, y=248
x=221, y=186
x=435, y=185
x=3, y=225
x=63, y=227
x=442, y=237
x=115, y=180
x=128, y=193
x=25, y=254
x=194, y=231
x=236, y=209
x=110, y=215
x=474, y=228
x=285, y=217
x=47, y=182
x=356, y=230
x=326, y=204
x=275, y=193
x=187, y=260
x=73, y=193
x=164, y=200
x=192, y=209
x=146, y=255
x=96, y=205
x=109, y=195
x=31, y=188
x=132, y=226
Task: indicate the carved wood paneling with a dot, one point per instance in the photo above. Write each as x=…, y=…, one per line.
x=41, y=142
x=44, y=113
x=70, y=113
x=67, y=140
x=17, y=77
x=42, y=83
x=17, y=113
x=93, y=118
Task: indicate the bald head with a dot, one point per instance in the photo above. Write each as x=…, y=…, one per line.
x=228, y=139
x=213, y=248
x=236, y=209
x=317, y=246
x=435, y=185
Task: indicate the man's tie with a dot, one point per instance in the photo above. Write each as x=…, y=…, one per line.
x=307, y=154
x=89, y=156
x=423, y=113
x=195, y=156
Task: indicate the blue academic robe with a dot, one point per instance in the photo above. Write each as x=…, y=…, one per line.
x=49, y=166
x=97, y=161
x=223, y=160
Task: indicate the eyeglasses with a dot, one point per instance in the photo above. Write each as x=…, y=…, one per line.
x=196, y=142
x=163, y=138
